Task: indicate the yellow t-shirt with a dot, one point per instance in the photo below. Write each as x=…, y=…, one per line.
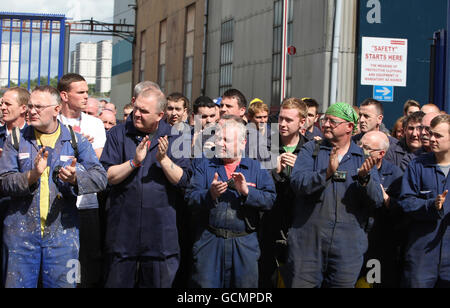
x=49, y=141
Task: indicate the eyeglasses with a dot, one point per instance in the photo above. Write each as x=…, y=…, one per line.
x=333, y=123
x=368, y=149
x=427, y=129
x=38, y=108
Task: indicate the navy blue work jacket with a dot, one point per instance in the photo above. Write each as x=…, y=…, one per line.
x=141, y=220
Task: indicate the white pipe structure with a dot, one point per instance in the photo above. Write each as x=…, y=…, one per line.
x=284, y=51
x=336, y=48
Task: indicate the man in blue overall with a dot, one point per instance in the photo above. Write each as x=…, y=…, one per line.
x=424, y=199
x=335, y=187
x=384, y=235
x=14, y=107
x=44, y=177
x=228, y=192
x=145, y=177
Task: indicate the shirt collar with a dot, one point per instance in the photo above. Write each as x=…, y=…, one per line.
x=216, y=162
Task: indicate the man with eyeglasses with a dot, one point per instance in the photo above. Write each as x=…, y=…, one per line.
x=425, y=130
x=424, y=199
x=335, y=187
x=411, y=145
x=384, y=235
x=145, y=179
x=44, y=178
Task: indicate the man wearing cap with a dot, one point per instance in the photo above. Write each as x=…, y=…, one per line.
x=335, y=187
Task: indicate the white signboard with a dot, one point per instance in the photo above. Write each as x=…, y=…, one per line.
x=384, y=61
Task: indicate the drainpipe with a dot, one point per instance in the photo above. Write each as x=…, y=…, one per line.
x=335, y=56
x=205, y=44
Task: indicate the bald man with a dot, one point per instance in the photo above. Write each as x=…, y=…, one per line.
x=426, y=129
x=430, y=108
x=93, y=107
x=109, y=119
x=383, y=239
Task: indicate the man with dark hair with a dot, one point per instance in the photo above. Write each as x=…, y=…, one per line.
x=312, y=131
x=127, y=110
x=424, y=199
x=177, y=108
x=44, y=174
x=233, y=103
x=371, y=115
x=411, y=106
x=205, y=110
x=411, y=145
x=74, y=97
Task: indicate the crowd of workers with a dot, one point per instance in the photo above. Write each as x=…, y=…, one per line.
x=219, y=193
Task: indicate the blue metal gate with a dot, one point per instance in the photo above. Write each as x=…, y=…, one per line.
x=39, y=24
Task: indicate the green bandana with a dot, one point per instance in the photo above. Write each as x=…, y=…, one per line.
x=345, y=112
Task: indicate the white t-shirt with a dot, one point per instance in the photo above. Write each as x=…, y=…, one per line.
x=88, y=125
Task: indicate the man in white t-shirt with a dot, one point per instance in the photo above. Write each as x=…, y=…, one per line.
x=74, y=95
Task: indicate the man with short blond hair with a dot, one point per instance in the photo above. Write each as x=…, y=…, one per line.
x=277, y=222
x=258, y=114
x=14, y=104
x=14, y=107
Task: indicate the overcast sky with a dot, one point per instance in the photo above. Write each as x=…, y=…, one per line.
x=100, y=10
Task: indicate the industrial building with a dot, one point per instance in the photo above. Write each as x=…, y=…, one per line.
x=208, y=46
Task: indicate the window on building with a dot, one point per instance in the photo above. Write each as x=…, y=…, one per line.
x=277, y=50
x=189, y=52
x=162, y=55
x=142, y=57
x=226, y=57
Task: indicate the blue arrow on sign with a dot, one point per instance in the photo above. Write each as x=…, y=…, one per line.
x=383, y=93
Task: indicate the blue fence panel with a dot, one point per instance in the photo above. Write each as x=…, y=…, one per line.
x=38, y=20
